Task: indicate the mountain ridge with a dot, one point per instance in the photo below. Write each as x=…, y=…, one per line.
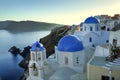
x=27, y=25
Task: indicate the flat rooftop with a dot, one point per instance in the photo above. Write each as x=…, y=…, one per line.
x=101, y=62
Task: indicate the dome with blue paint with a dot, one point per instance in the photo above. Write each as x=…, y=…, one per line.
x=37, y=47
x=70, y=43
x=91, y=20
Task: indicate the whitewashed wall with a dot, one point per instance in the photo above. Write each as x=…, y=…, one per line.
x=115, y=35
x=101, y=52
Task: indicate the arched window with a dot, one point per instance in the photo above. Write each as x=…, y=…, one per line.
x=77, y=60
x=91, y=29
x=35, y=70
x=66, y=60
x=85, y=28
x=39, y=56
x=108, y=29
x=33, y=56
x=97, y=28
x=90, y=39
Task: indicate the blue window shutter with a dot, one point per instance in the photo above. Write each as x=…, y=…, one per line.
x=91, y=28
x=90, y=39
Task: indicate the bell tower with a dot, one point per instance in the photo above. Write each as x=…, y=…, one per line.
x=37, y=59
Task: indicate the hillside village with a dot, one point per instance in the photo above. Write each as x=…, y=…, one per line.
x=88, y=52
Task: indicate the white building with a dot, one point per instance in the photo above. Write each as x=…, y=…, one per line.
x=103, y=19
x=103, y=65
x=91, y=34
x=112, y=23
x=70, y=53
x=107, y=21
x=98, y=68
x=115, y=35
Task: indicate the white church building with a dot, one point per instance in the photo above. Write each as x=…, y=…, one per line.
x=70, y=53
x=69, y=62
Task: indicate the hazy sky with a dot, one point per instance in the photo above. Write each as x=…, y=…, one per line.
x=56, y=11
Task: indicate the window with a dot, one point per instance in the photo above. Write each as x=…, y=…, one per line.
x=108, y=29
x=85, y=28
x=107, y=78
x=107, y=41
x=90, y=39
x=39, y=55
x=33, y=56
x=91, y=28
x=81, y=29
x=66, y=60
x=97, y=28
x=77, y=60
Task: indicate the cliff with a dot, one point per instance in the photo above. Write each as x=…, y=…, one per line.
x=51, y=40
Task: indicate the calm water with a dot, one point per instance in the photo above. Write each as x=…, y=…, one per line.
x=9, y=69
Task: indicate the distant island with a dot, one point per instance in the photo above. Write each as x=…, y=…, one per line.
x=26, y=26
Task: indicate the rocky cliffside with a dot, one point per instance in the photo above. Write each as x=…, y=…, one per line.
x=51, y=40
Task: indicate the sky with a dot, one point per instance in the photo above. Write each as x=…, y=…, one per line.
x=56, y=11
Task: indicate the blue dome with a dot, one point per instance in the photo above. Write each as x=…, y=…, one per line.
x=37, y=46
x=70, y=44
x=91, y=20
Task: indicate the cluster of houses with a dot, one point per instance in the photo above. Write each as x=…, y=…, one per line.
x=108, y=22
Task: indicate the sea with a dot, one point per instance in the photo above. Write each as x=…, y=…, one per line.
x=9, y=68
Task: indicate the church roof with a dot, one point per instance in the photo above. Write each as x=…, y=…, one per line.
x=70, y=43
x=37, y=47
x=91, y=20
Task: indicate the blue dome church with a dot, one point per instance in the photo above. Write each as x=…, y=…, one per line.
x=91, y=24
x=91, y=34
x=70, y=53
